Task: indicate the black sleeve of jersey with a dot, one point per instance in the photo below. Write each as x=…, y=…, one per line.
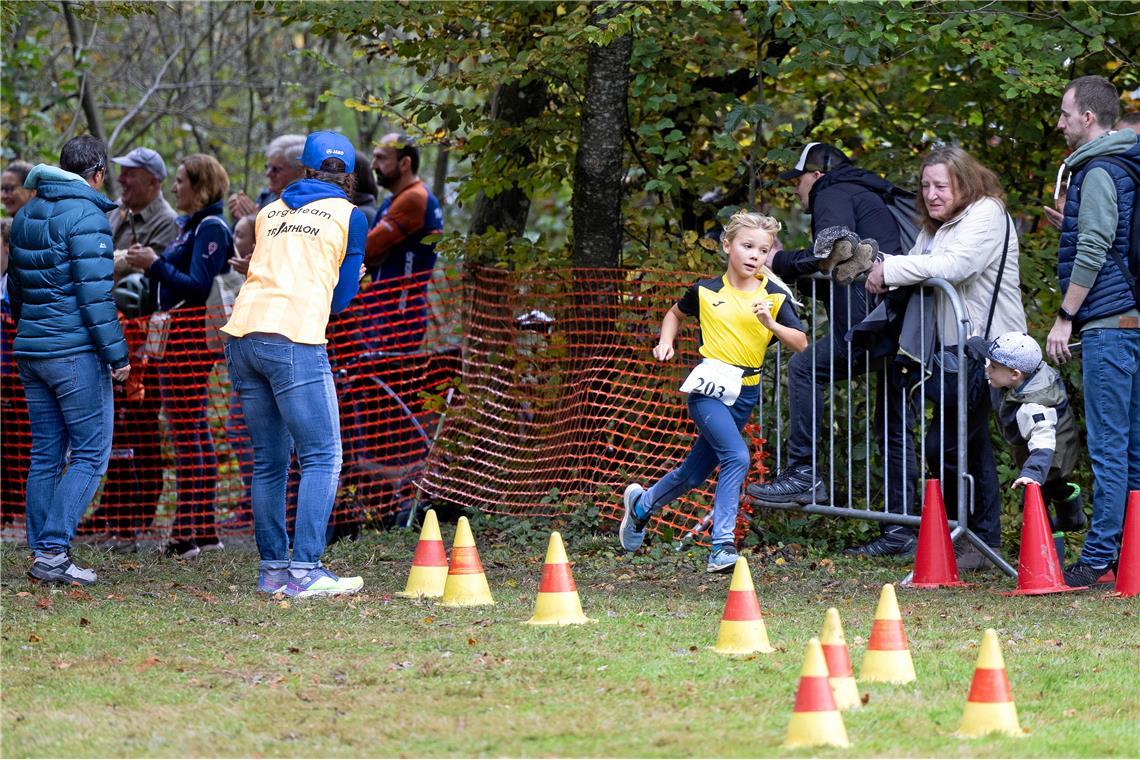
x=787, y=314
x=690, y=303
x=790, y=265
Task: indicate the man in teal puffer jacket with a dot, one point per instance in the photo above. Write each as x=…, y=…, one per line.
x=69, y=346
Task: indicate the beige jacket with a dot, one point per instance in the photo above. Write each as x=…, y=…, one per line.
x=966, y=252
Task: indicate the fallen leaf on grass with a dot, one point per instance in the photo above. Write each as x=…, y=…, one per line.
x=471, y=641
x=283, y=604
x=33, y=638
x=78, y=595
x=865, y=698
x=61, y=665
x=404, y=665
x=115, y=597
x=83, y=622
x=23, y=593
x=148, y=663
x=44, y=603
x=294, y=650
x=1069, y=713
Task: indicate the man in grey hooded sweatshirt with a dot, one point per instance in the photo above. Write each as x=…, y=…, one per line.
x=1099, y=302
x=68, y=347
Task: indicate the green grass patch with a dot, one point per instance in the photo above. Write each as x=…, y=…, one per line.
x=162, y=658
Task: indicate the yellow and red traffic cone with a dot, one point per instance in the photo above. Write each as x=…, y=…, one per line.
x=887, y=659
x=1128, y=568
x=815, y=719
x=429, y=564
x=466, y=584
x=557, y=602
x=742, y=628
x=989, y=705
x=839, y=671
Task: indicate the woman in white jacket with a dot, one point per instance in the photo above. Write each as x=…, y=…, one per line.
x=969, y=240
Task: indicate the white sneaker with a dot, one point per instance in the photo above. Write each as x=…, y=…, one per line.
x=320, y=582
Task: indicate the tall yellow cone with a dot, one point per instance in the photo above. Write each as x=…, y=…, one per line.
x=429, y=564
x=839, y=671
x=742, y=628
x=887, y=659
x=466, y=584
x=989, y=705
x=815, y=719
x=557, y=602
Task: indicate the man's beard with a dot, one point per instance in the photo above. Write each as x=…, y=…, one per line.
x=386, y=181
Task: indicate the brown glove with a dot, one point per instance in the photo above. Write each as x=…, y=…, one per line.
x=841, y=251
x=859, y=262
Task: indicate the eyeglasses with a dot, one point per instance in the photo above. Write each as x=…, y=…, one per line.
x=8, y=188
x=271, y=169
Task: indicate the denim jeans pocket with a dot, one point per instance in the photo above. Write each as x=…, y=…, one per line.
x=276, y=361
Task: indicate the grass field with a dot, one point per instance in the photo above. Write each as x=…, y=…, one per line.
x=164, y=659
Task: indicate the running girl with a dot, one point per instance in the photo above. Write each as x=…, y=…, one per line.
x=738, y=314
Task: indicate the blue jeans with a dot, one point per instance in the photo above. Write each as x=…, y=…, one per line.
x=288, y=398
x=719, y=443
x=70, y=405
x=1111, y=368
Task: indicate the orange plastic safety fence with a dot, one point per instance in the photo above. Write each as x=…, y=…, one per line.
x=541, y=386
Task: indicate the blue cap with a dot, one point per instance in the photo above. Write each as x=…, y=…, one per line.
x=322, y=145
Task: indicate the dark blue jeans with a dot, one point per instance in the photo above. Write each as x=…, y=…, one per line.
x=71, y=407
x=1111, y=369
x=719, y=444
x=942, y=449
x=288, y=398
x=826, y=361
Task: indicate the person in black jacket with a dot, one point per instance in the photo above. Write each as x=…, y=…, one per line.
x=69, y=346
x=836, y=193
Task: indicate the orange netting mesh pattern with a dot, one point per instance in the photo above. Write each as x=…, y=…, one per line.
x=530, y=394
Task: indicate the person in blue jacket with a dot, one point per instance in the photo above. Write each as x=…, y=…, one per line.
x=183, y=275
x=68, y=347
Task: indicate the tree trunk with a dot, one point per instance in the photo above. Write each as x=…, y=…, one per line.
x=86, y=87
x=598, y=167
x=513, y=103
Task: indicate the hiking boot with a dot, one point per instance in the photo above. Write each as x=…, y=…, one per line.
x=184, y=550
x=1068, y=514
x=722, y=558
x=890, y=544
x=212, y=544
x=631, y=534
x=1080, y=574
x=970, y=557
x=320, y=582
x=272, y=581
x=60, y=569
x=794, y=485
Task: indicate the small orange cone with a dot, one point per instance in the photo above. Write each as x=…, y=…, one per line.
x=429, y=564
x=934, y=562
x=1128, y=569
x=815, y=720
x=989, y=705
x=557, y=602
x=887, y=659
x=466, y=584
x=742, y=628
x=839, y=671
x=1038, y=568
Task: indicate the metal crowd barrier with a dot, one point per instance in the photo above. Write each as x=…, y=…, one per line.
x=849, y=456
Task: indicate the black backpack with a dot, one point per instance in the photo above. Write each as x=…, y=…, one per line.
x=901, y=205
x=1132, y=269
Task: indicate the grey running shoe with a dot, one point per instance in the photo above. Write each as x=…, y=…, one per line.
x=631, y=534
x=60, y=569
x=722, y=559
x=889, y=544
x=320, y=582
x=272, y=581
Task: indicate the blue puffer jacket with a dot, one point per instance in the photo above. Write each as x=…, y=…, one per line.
x=61, y=271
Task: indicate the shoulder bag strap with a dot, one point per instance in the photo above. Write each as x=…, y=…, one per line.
x=1001, y=272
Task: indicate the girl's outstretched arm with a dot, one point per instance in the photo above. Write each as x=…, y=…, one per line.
x=663, y=351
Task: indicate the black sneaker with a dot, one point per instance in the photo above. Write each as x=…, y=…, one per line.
x=182, y=550
x=60, y=569
x=1079, y=574
x=792, y=486
x=890, y=544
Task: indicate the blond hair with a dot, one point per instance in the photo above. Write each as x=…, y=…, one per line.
x=751, y=220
